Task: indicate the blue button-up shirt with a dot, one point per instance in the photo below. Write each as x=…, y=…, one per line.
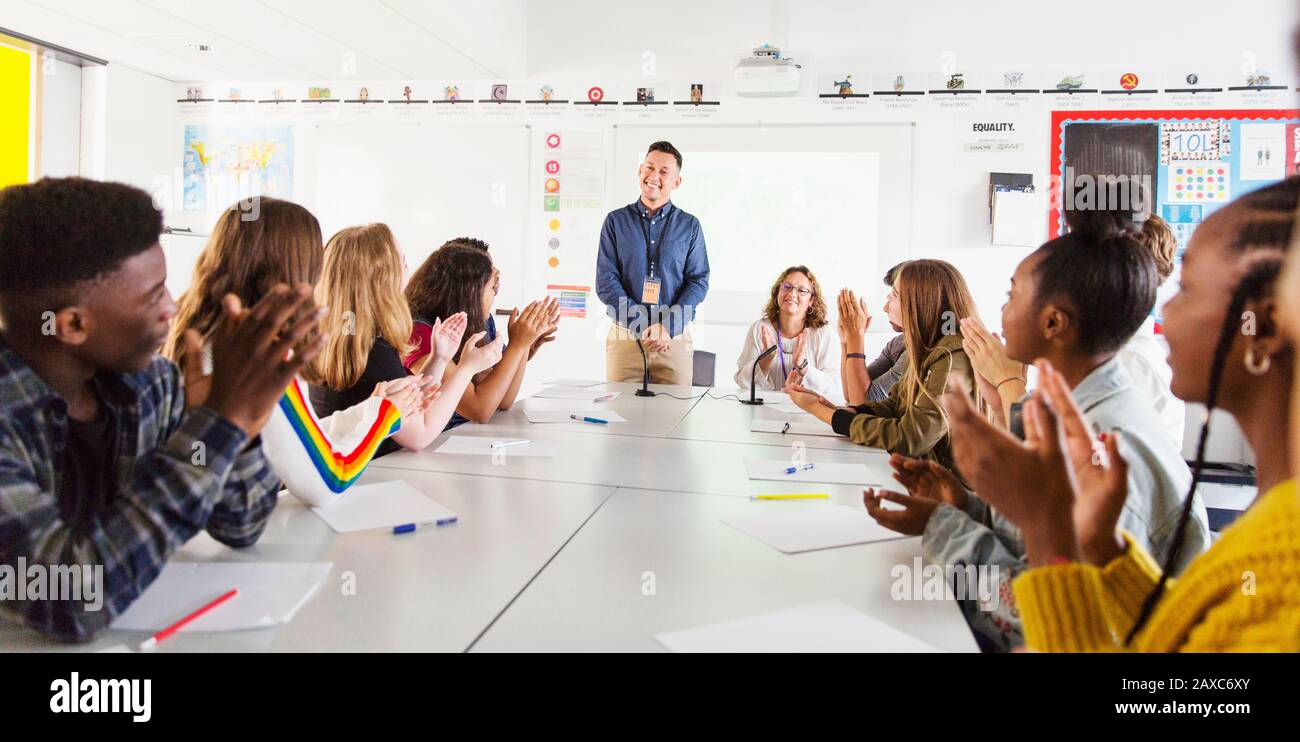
x=681, y=264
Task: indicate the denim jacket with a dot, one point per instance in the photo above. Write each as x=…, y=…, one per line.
x=1158, y=479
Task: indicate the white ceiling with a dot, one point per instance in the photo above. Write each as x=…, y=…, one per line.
x=287, y=39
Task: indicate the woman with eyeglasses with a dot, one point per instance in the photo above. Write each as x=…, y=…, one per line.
x=807, y=348
x=933, y=300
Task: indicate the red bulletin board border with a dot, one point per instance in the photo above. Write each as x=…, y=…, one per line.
x=1057, y=152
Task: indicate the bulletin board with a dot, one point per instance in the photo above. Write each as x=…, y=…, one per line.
x=1199, y=159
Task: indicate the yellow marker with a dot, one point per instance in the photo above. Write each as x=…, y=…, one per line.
x=813, y=496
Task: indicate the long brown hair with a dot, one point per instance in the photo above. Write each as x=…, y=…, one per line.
x=451, y=280
x=362, y=287
x=816, y=315
x=933, y=300
x=246, y=257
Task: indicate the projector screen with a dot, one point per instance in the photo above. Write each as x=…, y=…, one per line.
x=837, y=198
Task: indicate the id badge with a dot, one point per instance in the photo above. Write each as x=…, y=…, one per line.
x=650, y=291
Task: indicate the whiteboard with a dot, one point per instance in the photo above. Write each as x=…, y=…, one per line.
x=769, y=196
x=428, y=183
x=837, y=198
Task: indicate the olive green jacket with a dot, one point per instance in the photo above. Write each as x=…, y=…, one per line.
x=919, y=430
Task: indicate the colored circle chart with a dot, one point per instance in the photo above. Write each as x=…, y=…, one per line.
x=1204, y=182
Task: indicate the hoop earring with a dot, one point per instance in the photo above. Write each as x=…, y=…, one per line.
x=1257, y=366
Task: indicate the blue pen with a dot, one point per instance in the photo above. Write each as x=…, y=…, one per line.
x=793, y=469
x=409, y=527
x=585, y=419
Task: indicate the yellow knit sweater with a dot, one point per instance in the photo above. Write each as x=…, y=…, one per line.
x=1241, y=595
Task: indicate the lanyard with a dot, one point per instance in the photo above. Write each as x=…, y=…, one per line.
x=780, y=352
x=645, y=229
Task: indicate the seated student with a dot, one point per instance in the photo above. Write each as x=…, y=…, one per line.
x=796, y=314
x=1073, y=302
x=1091, y=586
x=98, y=434
x=933, y=299
x=879, y=376
x=1146, y=359
x=369, y=324
x=422, y=328
x=455, y=279
x=316, y=458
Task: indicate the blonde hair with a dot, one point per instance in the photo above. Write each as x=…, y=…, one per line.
x=1157, y=236
x=362, y=287
x=247, y=257
x=933, y=300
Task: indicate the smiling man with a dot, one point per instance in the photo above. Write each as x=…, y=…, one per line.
x=104, y=464
x=652, y=271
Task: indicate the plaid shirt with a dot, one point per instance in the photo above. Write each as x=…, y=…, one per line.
x=177, y=472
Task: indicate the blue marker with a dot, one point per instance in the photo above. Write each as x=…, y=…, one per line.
x=585, y=419
x=409, y=527
x=794, y=469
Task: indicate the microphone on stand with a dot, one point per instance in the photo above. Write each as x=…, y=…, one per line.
x=644, y=391
x=752, y=372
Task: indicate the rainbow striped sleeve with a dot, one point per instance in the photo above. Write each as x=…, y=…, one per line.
x=337, y=469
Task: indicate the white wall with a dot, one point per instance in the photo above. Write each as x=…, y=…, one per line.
x=676, y=41
x=61, y=120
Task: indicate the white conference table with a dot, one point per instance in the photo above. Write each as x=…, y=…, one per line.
x=652, y=417
x=717, y=417
x=432, y=590
x=549, y=553
x=701, y=571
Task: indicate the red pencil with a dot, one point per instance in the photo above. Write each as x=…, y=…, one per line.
x=153, y=641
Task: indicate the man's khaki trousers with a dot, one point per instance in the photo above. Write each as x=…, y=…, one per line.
x=623, y=359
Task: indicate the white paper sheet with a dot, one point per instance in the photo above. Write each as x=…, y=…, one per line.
x=774, y=469
x=787, y=408
x=831, y=626
x=481, y=446
x=270, y=593
x=581, y=383
x=562, y=416
x=811, y=426
x=381, y=505
x=813, y=527
x=573, y=392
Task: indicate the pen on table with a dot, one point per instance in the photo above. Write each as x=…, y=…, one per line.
x=409, y=527
x=604, y=398
x=154, y=640
x=793, y=469
x=585, y=419
x=810, y=496
x=503, y=444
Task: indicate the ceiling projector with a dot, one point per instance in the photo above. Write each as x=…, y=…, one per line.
x=766, y=73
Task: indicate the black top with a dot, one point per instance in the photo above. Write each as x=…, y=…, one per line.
x=383, y=364
x=89, y=466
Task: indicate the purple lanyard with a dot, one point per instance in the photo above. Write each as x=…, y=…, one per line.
x=780, y=352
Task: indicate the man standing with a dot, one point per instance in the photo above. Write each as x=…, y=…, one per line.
x=652, y=271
